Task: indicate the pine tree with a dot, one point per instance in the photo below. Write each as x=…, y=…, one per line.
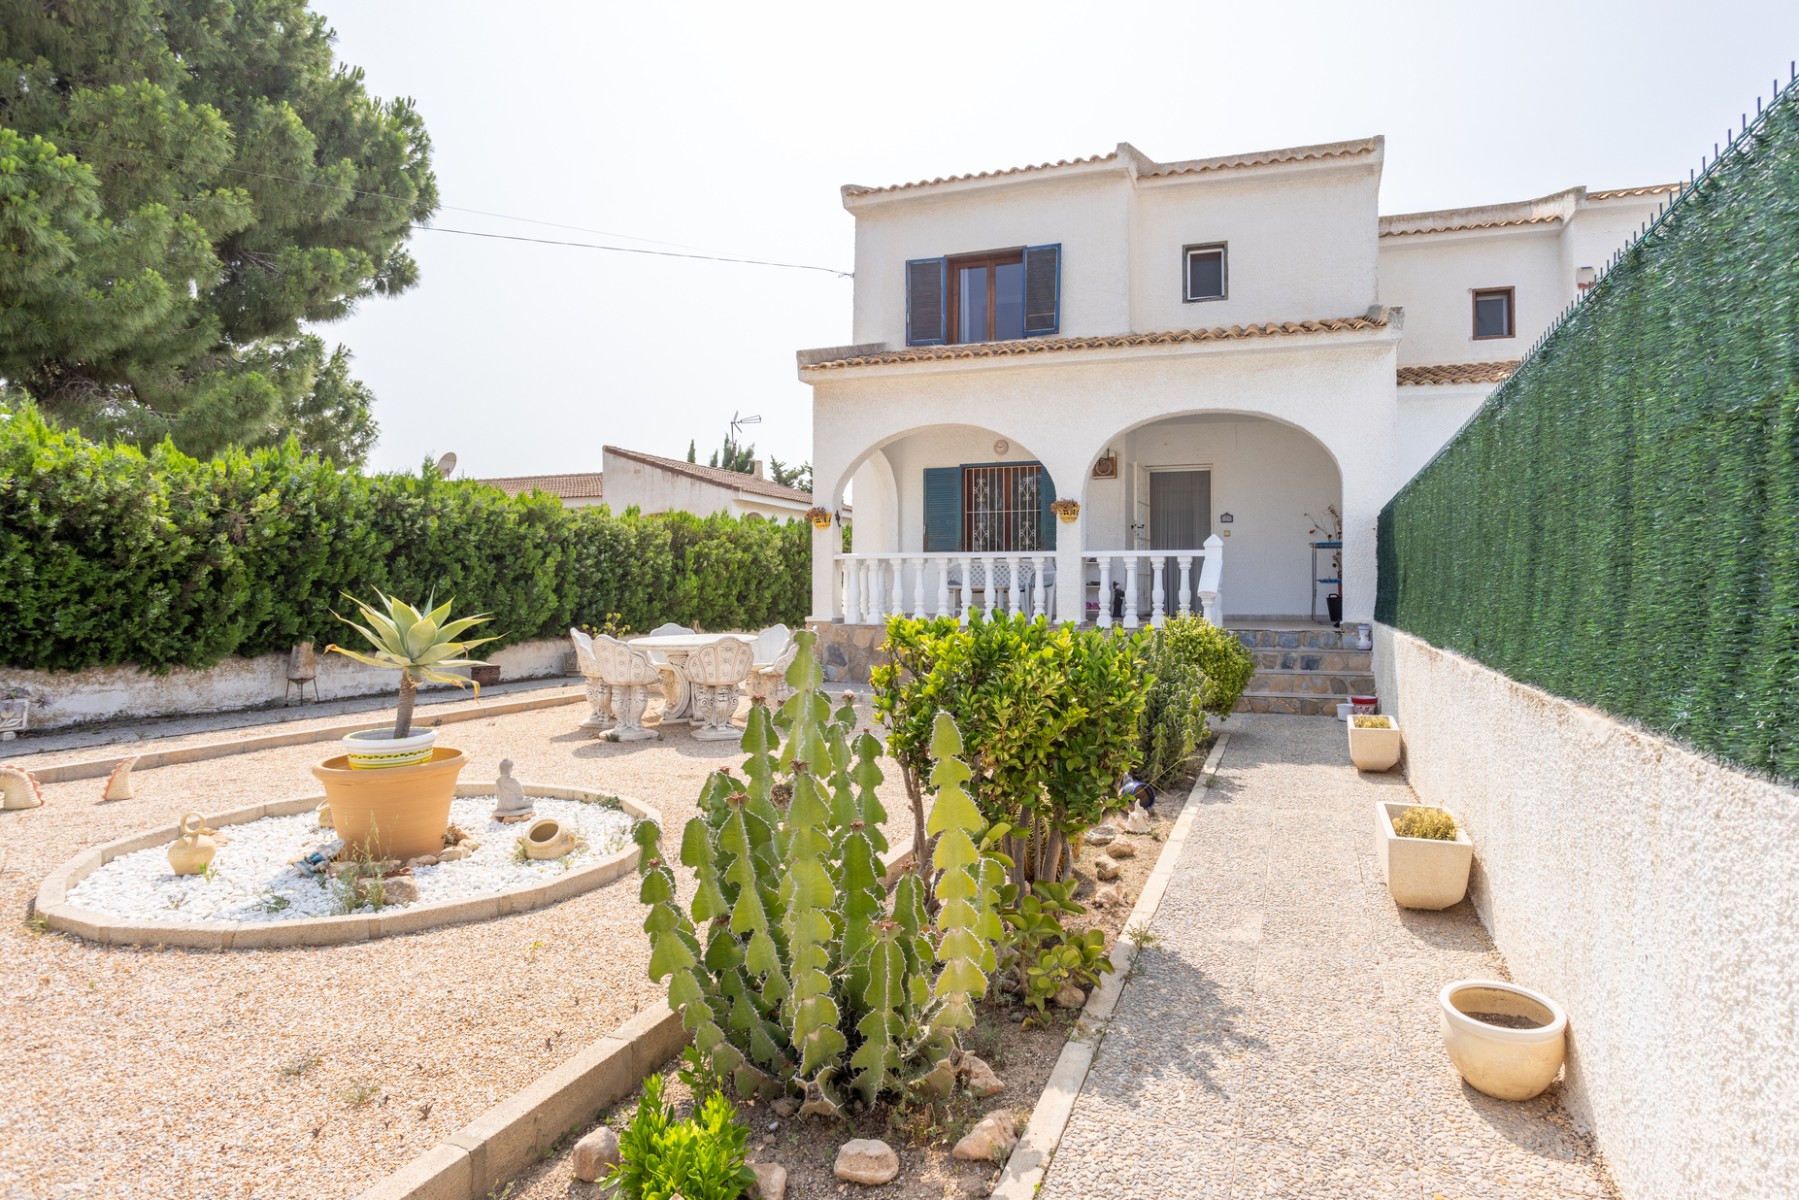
x=734, y=457
x=182, y=186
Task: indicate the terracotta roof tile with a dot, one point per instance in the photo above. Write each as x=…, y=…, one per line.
x=1033, y=346
x=856, y=189
x=1264, y=158
x=569, y=487
x=1443, y=373
x=736, y=480
x=1547, y=219
x=1655, y=189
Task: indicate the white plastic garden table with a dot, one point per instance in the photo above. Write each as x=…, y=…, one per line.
x=678, y=693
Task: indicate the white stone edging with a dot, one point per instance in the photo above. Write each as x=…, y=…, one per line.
x=53, y=908
x=1024, y=1171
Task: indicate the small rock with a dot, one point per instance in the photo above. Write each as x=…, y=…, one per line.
x=596, y=1153
x=771, y=1180
x=1122, y=849
x=1105, y=868
x=866, y=1160
x=992, y=1138
x=452, y=853
x=423, y=860
x=399, y=890
x=1109, y=897
x=1137, y=821
x=1071, y=996
x=981, y=1079
x=785, y=1107
x=1101, y=835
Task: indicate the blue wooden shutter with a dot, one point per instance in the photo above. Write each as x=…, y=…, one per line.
x=943, y=508
x=1046, y=491
x=1042, y=290
x=927, y=301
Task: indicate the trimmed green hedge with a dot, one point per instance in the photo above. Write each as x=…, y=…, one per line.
x=1620, y=523
x=111, y=556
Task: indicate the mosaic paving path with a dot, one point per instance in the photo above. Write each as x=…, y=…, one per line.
x=1280, y=1039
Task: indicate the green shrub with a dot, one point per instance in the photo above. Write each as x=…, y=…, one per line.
x=1050, y=714
x=700, y=1158
x=795, y=970
x=1421, y=822
x=112, y=556
x=1224, y=665
x=1047, y=956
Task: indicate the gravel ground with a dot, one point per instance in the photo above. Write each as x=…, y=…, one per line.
x=254, y=876
x=308, y=1072
x=1281, y=1037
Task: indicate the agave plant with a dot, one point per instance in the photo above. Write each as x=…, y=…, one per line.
x=422, y=646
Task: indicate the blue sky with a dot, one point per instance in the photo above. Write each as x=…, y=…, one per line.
x=728, y=128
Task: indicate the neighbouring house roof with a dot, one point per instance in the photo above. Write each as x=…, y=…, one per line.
x=1143, y=165
x=751, y=485
x=1544, y=210
x=1053, y=345
x=585, y=486
x=1443, y=373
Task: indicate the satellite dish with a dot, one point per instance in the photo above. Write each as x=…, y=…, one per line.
x=446, y=466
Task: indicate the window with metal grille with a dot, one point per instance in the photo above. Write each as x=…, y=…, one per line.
x=1002, y=508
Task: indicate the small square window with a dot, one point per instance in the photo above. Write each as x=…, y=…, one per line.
x=1493, y=313
x=1205, y=272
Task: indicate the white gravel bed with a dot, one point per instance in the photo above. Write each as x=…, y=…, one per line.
x=255, y=877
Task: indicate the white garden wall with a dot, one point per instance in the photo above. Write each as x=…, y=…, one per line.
x=1653, y=892
x=60, y=699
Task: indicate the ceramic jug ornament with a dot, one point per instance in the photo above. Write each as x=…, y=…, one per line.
x=548, y=838
x=192, y=852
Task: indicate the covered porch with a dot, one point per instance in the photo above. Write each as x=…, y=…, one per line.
x=1205, y=512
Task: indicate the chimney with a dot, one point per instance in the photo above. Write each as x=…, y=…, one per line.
x=756, y=469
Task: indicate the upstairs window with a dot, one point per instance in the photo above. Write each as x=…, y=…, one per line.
x=1493, y=313
x=996, y=296
x=1205, y=272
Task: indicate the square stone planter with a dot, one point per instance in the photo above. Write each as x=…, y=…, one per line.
x=1421, y=872
x=1374, y=749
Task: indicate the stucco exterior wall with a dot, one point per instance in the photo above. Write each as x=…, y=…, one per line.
x=631, y=484
x=1435, y=278
x=1087, y=214
x=1299, y=246
x=60, y=699
x=1650, y=891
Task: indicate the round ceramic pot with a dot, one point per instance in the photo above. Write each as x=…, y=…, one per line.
x=374, y=749
x=546, y=838
x=1505, y=1063
x=400, y=812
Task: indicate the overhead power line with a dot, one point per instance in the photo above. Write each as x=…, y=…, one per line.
x=331, y=187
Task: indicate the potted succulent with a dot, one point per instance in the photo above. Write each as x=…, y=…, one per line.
x=390, y=790
x=1068, y=510
x=1507, y=1041
x=1373, y=742
x=1423, y=853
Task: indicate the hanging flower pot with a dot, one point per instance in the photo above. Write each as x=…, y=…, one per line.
x=1067, y=510
x=820, y=517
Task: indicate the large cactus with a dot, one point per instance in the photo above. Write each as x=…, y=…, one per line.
x=795, y=969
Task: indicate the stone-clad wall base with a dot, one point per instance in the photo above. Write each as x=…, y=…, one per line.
x=848, y=652
x=1648, y=889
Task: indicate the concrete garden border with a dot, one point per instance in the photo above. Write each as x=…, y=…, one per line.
x=53, y=905
x=1023, y=1174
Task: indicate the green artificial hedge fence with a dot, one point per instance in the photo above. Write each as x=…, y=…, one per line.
x=111, y=556
x=1620, y=523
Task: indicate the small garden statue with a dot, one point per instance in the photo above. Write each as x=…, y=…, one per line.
x=118, y=784
x=513, y=804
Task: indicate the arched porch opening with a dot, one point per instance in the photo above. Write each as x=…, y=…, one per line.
x=1165, y=486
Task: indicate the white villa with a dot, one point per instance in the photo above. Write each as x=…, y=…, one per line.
x=653, y=484
x=1205, y=355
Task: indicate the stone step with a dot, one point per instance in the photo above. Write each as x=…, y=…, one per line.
x=1322, y=637
x=1291, y=705
x=1359, y=662
x=1314, y=683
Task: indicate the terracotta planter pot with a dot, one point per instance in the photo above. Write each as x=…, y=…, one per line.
x=1421, y=872
x=1374, y=749
x=1505, y=1063
x=399, y=812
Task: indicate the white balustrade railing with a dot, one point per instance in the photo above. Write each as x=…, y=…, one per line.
x=872, y=587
